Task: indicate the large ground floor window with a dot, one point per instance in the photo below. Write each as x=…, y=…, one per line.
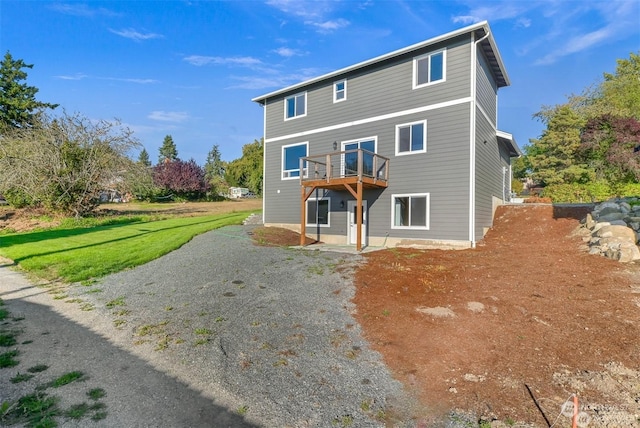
x=318, y=212
x=410, y=211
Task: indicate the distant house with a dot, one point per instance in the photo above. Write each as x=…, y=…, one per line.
x=402, y=149
x=238, y=192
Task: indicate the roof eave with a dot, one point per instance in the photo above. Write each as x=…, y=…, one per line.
x=480, y=25
x=510, y=142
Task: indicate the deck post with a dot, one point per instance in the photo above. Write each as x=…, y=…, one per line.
x=359, y=217
x=303, y=216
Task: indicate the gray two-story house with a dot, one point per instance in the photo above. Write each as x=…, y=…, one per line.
x=402, y=149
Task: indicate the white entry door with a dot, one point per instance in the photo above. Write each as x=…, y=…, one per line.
x=352, y=226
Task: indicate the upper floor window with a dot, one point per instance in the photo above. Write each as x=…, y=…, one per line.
x=410, y=211
x=291, y=155
x=295, y=106
x=428, y=69
x=411, y=138
x=339, y=91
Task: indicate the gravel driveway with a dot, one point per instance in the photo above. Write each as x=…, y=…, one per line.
x=218, y=333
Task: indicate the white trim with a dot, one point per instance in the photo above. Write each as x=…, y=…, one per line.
x=335, y=91
x=295, y=96
x=372, y=119
x=282, y=170
x=428, y=56
x=472, y=137
x=359, y=140
x=264, y=162
x=316, y=199
x=424, y=138
x=411, y=195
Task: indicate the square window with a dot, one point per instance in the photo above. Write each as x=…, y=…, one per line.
x=295, y=106
x=339, y=91
x=291, y=155
x=411, y=138
x=410, y=211
x=429, y=69
x=318, y=212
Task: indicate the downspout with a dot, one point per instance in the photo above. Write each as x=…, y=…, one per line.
x=264, y=157
x=472, y=143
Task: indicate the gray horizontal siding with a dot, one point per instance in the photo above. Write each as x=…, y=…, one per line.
x=377, y=91
x=443, y=172
x=486, y=88
x=489, y=165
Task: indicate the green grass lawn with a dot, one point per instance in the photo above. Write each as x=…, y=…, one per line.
x=80, y=253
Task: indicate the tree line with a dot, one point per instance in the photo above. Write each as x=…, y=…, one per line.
x=590, y=149
x=65, y=162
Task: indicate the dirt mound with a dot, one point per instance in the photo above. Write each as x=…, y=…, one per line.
x=528, y=310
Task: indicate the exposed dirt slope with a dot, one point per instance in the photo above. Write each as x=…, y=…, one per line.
x=472, y=329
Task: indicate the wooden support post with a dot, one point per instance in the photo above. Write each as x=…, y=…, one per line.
x=359, y=217
x=303, y=213
x=303, y=217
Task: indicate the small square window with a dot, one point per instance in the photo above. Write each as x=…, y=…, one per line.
x=339, y=91
x=295, y=106
x=411, y=138
x=429, y=69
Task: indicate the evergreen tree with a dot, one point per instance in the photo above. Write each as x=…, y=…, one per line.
x=168, y=151
x=215, y=166
x=143, y=158
x=18, y=105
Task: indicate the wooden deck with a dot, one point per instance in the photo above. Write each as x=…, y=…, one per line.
x=351, y=170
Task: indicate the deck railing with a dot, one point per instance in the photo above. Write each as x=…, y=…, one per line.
x=357, y=164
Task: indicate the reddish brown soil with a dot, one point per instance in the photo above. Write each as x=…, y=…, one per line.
x=552, y=318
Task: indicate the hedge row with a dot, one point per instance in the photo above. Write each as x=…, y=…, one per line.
x=592, y=192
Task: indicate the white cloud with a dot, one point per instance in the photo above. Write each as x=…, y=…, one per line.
x=133, y=80
x=168, y=116
x=244, y=61
x=329, y=26
x=132, y=34
x=562, y=28
x=77, y=76
x=465, y=19
x=496, y=11
x=80, y=9
x=288, y=52
x=617, y=20
x=273, y=79
x=313, y=13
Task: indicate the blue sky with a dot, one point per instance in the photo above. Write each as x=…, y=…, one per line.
x=190, y=68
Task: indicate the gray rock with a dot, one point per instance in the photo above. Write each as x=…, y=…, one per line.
x=609, y=210
x=612, y=216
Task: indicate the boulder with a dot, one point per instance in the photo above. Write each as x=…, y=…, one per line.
x=621, y=232
x=614, y=230
x=629, y=252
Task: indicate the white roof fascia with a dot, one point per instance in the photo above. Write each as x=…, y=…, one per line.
x=508, y=137
x=450, y=35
